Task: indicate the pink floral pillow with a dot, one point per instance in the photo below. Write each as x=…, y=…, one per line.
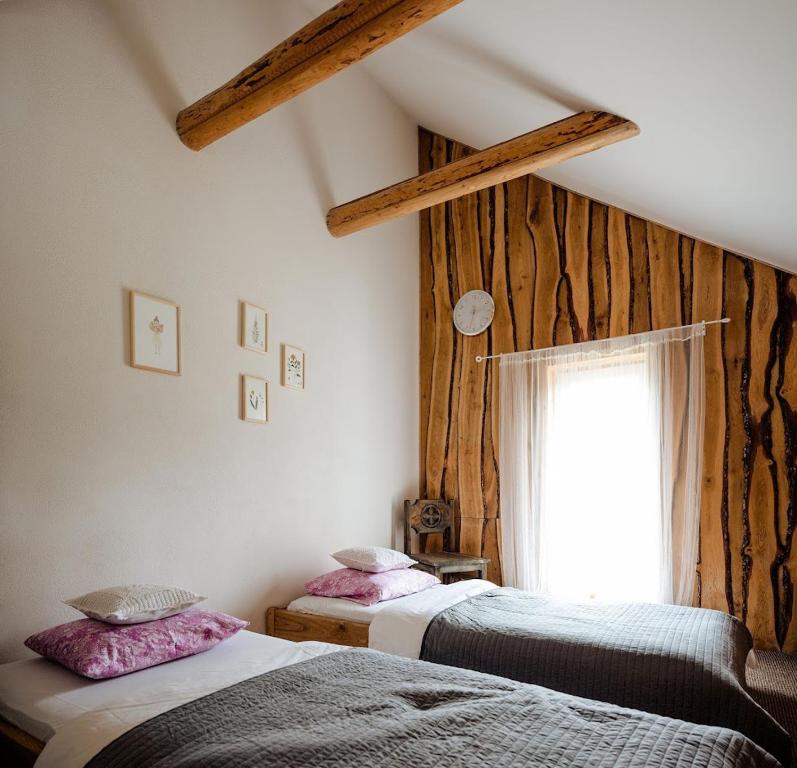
x=370, y=588
x=98, y=650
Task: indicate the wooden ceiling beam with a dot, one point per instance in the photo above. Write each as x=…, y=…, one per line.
x=346, y=33
x=525, y=154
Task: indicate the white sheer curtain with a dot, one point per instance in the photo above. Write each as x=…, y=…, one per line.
x=601, y=449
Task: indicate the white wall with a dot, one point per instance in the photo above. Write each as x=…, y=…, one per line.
x=111, y=475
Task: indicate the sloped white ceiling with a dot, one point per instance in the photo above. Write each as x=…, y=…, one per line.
x=711, y=83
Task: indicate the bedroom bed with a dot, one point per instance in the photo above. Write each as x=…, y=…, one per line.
x=39, y=698
x=680, y=662
x=336, y=620
x=257, y=700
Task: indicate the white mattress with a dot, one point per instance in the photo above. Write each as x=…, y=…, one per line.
x=77, y=717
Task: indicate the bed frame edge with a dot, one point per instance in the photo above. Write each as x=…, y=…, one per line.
x=292, y=625
x=17, y=748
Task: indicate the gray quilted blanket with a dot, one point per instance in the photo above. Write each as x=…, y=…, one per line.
x=685, y=663
x=363, y=708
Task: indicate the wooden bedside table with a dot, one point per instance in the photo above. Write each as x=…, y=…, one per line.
x=443, y=564
x=425, y=516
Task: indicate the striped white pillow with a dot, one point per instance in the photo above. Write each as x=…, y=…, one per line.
x=134, y=603
x=373, y=559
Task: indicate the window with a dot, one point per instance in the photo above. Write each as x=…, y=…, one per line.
x=600, y=519
x=600, y=465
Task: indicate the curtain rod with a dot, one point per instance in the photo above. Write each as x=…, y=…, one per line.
x=482, y=358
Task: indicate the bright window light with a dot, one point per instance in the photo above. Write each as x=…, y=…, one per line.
x=600, y=523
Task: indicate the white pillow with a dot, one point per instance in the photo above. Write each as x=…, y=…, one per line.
x=134, y=603
x=373, y=559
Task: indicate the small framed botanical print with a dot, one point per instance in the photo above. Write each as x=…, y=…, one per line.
x=254, y=327
x=154, y=334
x=254, y=399
x=293, y=367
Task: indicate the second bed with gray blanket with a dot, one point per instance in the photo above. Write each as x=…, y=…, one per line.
x=681, y=662
x=360, y=708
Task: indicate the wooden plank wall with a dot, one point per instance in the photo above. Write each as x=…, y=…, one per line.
x=563, y=268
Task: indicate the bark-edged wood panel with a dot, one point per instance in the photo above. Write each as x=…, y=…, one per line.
x=564, y=268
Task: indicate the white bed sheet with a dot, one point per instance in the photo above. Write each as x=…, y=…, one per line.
x=78, y=717
x=399, y=628
x=340, y=608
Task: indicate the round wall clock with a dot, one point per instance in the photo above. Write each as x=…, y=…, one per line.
x=474, y=313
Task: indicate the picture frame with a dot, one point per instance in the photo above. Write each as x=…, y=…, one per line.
x=254, y=327
x=254, y=399
x=155, y=334
x=293, y=367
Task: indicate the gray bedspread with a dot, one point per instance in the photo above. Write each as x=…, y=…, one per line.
x=685, y=663
x=363, y=708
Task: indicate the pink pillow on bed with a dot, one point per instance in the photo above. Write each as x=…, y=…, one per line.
x=370, y=588
x=98, y=650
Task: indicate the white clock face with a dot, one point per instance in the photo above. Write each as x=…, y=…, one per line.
x=474, y=312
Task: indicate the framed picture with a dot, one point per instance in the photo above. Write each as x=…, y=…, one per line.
x=154, y=334
x=254, y=327
x=293, y=367
x=254, y=399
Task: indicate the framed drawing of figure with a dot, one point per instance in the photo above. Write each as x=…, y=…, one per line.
x=154, y=334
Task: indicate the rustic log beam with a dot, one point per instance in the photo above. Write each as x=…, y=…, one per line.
x=511, y=159
x=346, y=33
